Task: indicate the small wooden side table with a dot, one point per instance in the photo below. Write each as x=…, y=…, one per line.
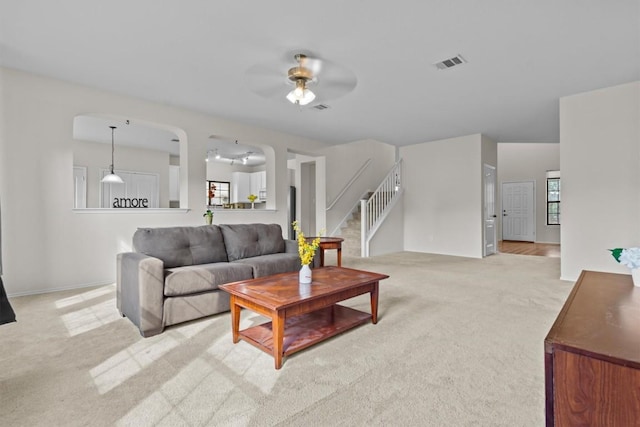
x=329, y=243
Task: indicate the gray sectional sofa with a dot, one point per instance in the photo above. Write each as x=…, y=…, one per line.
x=174, y=272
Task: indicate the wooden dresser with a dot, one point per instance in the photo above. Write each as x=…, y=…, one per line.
x=592, y=355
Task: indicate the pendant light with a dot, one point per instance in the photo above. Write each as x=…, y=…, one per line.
x=112, y=178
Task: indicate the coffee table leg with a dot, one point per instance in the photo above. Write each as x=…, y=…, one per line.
x=374, y=304
x=277, y=324
x=235, y=320
x=339, y=256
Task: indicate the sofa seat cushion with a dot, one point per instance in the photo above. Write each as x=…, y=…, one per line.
x=193, y=279
x=252, y=240
x=266, y=265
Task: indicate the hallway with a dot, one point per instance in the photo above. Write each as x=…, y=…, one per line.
x=551, y=250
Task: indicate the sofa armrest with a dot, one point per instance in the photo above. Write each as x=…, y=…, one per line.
x=140, y=291
x=291, y=246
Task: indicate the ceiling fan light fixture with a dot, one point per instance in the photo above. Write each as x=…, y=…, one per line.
x=300, y=76
x=301, y=95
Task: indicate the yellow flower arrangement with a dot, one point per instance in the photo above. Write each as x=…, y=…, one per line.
x=305, y=249
x=252, y=197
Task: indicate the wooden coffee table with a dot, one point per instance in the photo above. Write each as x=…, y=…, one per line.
x=301, y=315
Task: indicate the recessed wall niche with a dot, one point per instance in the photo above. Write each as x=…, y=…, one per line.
x=145, y=155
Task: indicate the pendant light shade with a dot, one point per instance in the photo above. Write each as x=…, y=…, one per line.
x=112, y=178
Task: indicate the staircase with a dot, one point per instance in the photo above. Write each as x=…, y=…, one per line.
x=376, y=206
x=351, y=232
x=376, y=209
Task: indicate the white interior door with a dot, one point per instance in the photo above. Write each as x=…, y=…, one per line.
x=518, y=211
x=137, y=185
x=79, y=187
x=110, y=192
x=489, y=181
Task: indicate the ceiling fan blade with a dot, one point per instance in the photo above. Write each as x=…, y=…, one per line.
x=313, y=64
x=335, y=81
x=267, y=80
x=268, y=70
x=332, y=92
x=271, y=92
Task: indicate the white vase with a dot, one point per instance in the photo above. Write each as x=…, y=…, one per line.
x=304, y=289
x=305, y=274
x=635, y=275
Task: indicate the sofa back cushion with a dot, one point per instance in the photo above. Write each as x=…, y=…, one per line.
x=249, y=240
x=180, y=246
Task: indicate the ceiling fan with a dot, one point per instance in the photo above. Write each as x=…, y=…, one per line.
x=301, y=75
x=274, y=79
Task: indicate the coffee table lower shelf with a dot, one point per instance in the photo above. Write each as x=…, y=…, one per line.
x=306, y=330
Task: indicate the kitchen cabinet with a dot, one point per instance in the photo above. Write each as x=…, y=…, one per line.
x=245, y=183
x=259, y=185
x=240, y=187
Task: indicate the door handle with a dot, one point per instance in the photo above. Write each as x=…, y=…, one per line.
x=495, y=216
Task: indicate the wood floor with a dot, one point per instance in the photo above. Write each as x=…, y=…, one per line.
x=529, y=248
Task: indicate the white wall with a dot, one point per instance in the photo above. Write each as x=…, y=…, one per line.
x=600, y=167
x=530, y=162
x=342, y=162
x=45, y=245
x=443, y=196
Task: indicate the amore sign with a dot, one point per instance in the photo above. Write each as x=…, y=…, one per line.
x=130, y=203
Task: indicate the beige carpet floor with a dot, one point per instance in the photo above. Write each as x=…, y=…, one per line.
x=459, y=342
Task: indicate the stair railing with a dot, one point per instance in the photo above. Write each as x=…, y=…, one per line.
x=376, y=208
x=350, y=183
x=349, y=215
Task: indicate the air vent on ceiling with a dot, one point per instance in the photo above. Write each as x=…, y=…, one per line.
x=451, y=62
x=321, y=107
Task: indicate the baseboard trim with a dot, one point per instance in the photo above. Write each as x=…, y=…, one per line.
x=527, y=241
x=65, y=288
